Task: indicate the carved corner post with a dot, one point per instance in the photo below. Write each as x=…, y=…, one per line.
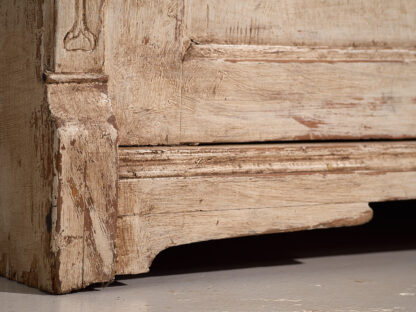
x=58, y=146
x=84, y=195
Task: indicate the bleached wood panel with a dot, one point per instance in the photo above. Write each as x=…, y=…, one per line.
x=242, y=94
x=26, y=166
x=159, y=100
x=335, y=70
x=176, y=195
x=303, y=22
x=144, y=61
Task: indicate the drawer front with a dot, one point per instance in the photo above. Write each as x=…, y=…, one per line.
x=237, y=94
x=251, y=71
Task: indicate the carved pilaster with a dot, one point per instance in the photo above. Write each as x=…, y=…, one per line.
x=79, y=43
x=85, y=147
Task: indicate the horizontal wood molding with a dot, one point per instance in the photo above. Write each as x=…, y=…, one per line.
x=178, y=179
x=265, y=159
x=293, y=54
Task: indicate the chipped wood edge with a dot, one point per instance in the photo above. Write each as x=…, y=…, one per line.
x=85, y=141
x=84, y=209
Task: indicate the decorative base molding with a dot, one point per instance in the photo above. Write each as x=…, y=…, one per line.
x=170, y=196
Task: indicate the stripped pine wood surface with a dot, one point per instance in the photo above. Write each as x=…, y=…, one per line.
x=176, y=195
x=99, y=101
x=26, y=165
x=84, y=186
x=140, y=239
x=252, y=159
x=250, y=71
x=239, y=94
x=335, y=23
x=58, y=155
x=79, y=43
x=143, y=59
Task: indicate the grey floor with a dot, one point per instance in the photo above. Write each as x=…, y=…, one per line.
x=370, y=268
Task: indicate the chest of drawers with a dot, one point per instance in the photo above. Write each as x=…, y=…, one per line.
x=129, y=126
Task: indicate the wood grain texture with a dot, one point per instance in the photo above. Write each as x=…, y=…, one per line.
x=265, y=159
x=82, y=77
x=58, y=145
x=243, y=94
x=293, y=54
x=249, y=71
x=176, y=195
x=84, y=210
x=78, y=39
x=26, y=166
x=143, y=59
x=84, y=191
x=335, y=23
x=140, y=239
